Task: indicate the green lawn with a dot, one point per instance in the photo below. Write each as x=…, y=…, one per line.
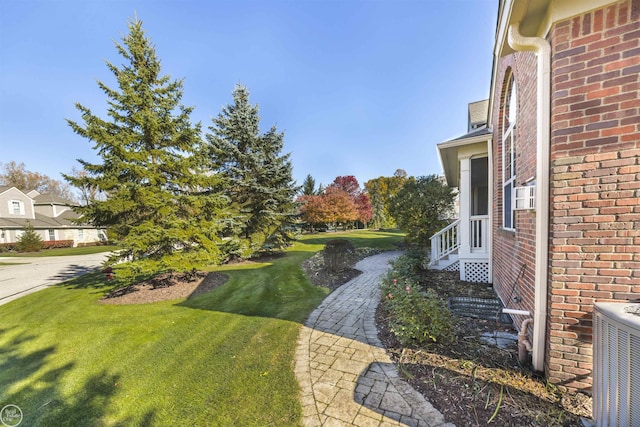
x=222, y=358
x=62, y=251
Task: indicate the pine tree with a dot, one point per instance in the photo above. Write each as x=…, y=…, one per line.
x=157, y=202
x=258, y=177
x=309, y=186
x=29, y=240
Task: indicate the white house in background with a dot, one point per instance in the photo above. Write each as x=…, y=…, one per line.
x=52, y=217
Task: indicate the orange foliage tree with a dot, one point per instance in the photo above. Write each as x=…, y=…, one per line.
x=341, y=203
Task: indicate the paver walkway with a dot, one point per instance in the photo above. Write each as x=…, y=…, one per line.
x=345, y=375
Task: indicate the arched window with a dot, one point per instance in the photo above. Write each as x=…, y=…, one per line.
x=509, y=115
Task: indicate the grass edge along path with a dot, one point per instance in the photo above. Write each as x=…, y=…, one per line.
x=221, y=358
x=80, y=250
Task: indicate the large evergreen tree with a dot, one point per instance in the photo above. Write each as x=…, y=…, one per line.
x=157, y=202
x=258, y=177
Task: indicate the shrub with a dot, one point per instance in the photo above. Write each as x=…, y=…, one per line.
x=411, y=263
x=421, y=208
x=54, y=244
x=29, y=241
x=338, y=254
x=8, y=247
x=415, y=316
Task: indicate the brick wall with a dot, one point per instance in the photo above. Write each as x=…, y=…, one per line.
x=595, y=180
x=514, y=252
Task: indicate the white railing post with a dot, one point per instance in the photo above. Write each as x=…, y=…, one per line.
x=445, y=242
x=479, y=233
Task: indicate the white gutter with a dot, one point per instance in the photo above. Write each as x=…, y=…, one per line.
x=543, y=52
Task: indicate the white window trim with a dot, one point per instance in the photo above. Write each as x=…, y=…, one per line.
x=11, y=206
x=508, y=137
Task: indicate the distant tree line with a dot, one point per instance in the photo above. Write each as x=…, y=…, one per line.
x=419, y=206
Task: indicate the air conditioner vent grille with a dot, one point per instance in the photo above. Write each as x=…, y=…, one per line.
x=616, y=367
x=635, y=380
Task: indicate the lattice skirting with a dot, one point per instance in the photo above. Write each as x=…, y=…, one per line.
x=453, y=267
x=475, y=271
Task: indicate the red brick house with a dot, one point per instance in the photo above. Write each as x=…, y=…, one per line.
x=550, y=183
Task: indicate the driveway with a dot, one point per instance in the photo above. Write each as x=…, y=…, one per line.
x=34, y=274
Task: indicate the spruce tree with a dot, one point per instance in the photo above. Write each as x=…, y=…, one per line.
x=157, y=203
x=257, y=175
x=309, y=186
x=29, y=240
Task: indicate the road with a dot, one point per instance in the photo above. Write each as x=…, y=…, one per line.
x=34, y=274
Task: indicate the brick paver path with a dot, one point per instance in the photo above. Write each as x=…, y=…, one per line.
x=345, y=375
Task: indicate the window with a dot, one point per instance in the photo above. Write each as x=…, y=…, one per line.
x=16, y=207
x=52, y=234
x=509, y=110
x=80, y=234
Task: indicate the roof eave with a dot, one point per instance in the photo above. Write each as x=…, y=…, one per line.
x=448, y=153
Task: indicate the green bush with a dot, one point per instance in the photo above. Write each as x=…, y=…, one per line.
x=415, y=317
x=29, y=241
x=422, y=207
x=411, y=263
x=8, y=247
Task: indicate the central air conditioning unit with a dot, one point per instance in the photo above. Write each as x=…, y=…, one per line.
x=616, y=364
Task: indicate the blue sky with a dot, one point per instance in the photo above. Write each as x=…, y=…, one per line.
x=359, y=87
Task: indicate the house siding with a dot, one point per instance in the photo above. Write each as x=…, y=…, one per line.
x=595, y=180
x=51, y=210
x=14, y=194
x=40, y=216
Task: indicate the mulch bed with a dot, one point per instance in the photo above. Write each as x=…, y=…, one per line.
x=471, y=381
x=166, y=286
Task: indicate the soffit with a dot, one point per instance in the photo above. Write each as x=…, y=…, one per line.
x=448, y=152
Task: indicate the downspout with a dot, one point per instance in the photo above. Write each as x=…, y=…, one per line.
x=542, y=48
x=524, y=345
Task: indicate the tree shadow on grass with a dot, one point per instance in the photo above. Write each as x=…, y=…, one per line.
x=78, y=276
x=29, y=380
